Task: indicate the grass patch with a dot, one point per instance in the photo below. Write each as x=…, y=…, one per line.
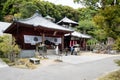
x=112, y=76
x=6, y=60
x=118, y=62
x=25, y=64
x=20, y=63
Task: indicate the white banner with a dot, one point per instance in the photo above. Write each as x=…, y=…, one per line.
x=32, y=39
x=35, y=39
x=54, y=40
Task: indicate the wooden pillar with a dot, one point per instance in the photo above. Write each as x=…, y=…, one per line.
x=12, y=55
x=43, y=38
x=62, y=42
x=11, y=39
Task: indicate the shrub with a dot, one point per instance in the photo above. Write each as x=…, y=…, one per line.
x=116, y=46
x=112, y=76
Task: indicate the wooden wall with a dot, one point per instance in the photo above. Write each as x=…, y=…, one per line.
x=19, y=33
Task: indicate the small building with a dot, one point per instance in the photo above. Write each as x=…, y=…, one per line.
x=36, y=29
x=74, y=38
x=66, y=22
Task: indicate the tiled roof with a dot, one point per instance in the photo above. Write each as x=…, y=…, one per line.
x=78, y=34
x=38, y=20
x=66, y=20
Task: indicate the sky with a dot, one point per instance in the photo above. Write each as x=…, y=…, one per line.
x=66, y=3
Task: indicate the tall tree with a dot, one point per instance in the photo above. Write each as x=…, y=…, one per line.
x=86, y=13
x=85, y=26
x=108, y=20
x=12, y=7
x=108, y=17
x=25, y=8
x=2, y=2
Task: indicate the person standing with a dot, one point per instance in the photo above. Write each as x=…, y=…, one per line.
x=72, y=50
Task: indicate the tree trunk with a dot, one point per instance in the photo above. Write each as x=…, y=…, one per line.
x=12, y=57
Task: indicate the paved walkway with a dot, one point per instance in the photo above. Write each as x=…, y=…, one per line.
x=82, y=58
x=62, y=71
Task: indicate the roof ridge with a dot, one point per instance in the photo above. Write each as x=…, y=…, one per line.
x=34, y=15
x=62, y=20
x=38, y=23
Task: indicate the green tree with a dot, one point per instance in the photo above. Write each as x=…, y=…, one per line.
x=108, y=20
x=117, y=44
x=85, y=26
x=98, y=3
x=12, y=7
x=99, y=34
x=27, y=10
x=8, y=47
x=1, y=7
x=86, y=13
x=47, y=8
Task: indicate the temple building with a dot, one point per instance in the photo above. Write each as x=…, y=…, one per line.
x=37, y=29
x=66, y=22
x=74, y=38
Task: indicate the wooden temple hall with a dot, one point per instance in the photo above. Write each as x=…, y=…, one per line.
x=37, y=29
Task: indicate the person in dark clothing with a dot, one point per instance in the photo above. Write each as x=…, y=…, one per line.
x=72, y=50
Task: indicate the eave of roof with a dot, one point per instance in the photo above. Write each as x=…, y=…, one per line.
x=9, y=27
x=4, y=26
x=79, y=35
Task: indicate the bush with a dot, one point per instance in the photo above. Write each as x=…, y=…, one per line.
x=112, y=76
x=6, y=60
x=118, y=62
x=116, y=46
x=2, y=54
x=8, y=47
